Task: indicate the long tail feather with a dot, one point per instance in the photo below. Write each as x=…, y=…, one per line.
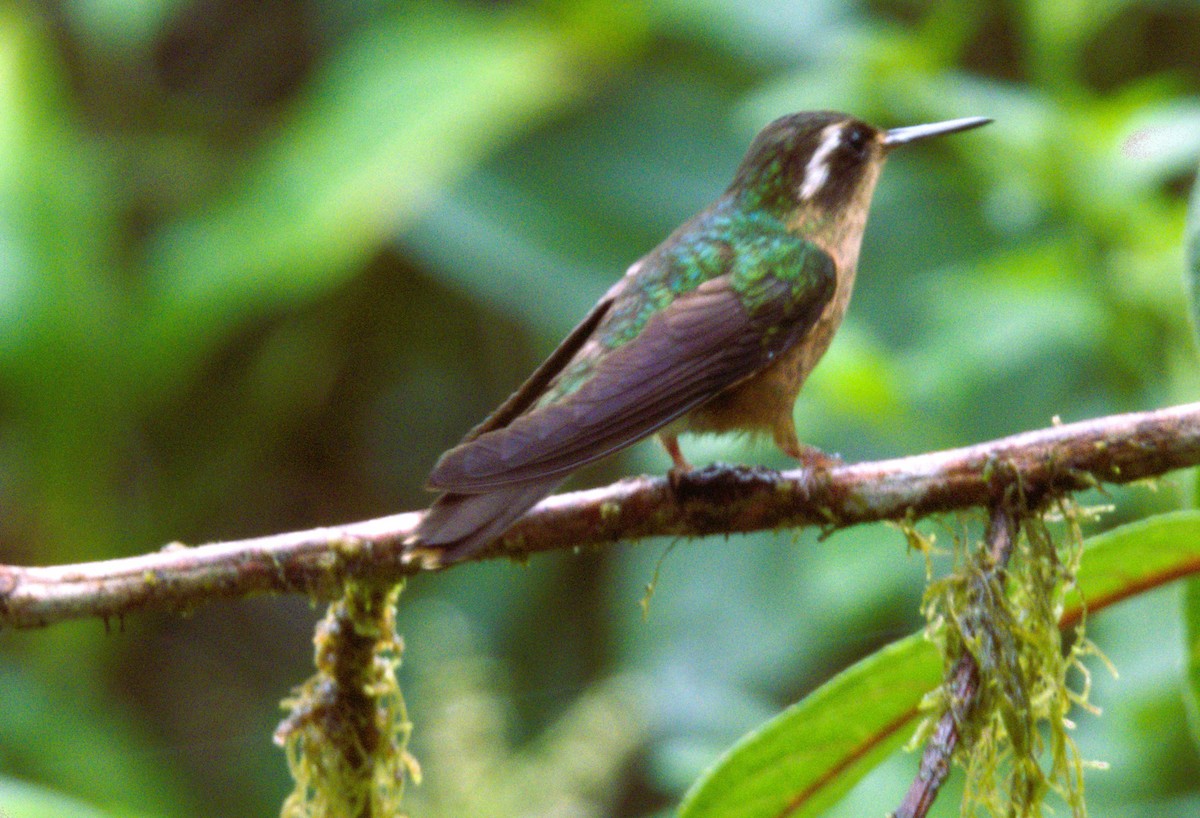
x=458, y=525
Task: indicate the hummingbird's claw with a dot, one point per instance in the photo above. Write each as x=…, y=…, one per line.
x=677, y=477
x=671, y=444
x=813, y=459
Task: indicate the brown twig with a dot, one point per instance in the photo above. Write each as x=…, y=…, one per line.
x=963, y=686
x=718, y=499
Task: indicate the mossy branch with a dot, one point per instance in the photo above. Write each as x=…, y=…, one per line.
x=961, y=687
x=718, y=499
x=346, y=733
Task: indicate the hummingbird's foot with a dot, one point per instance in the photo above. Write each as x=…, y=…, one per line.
x=671, y=444
x=812, y=458
x=677, y=478
x=815, y=466
x=684, y=478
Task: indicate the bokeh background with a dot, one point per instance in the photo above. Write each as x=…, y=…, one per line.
x=261, y=262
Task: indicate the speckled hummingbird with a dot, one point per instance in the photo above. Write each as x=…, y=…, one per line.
x=715, y=330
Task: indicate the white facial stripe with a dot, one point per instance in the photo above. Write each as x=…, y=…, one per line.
x=816, y=172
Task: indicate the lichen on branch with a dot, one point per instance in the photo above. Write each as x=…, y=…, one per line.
x=1004, y=713
x=347, y=731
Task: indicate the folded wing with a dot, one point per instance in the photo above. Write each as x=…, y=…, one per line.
x=704, y=342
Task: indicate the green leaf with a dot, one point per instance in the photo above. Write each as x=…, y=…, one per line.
x=19, y=799
x=1191, y=632
x=1135, y=557
x=61, y=307
x=56, y=214
x=802, y=761
x=1142, y=555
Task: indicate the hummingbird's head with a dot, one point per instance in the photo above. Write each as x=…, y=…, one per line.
x=818, y=164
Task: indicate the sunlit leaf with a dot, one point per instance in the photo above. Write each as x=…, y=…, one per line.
x=56, y=215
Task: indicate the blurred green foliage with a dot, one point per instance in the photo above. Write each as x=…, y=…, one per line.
x=260, y=263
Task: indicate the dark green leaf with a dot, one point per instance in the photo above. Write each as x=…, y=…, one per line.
x=1191, y=630
x=801, y=762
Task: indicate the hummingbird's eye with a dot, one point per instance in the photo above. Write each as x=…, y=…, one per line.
x=856, y=138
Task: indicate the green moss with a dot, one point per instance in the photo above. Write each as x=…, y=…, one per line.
x=347, y=731
x=350, y=547
x=1015, y=746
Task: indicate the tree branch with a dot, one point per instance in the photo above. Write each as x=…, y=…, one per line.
x=717, y=499
x=962, y=683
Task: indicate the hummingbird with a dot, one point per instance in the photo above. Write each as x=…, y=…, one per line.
x=715, y=330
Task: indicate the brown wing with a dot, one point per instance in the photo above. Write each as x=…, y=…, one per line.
x=703, y=343
x=528, y=392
